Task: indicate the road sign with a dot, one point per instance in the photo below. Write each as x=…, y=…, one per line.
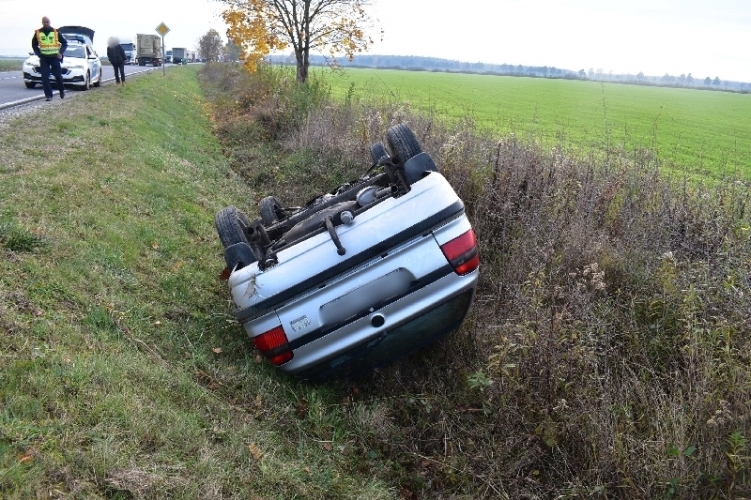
x=162, y=29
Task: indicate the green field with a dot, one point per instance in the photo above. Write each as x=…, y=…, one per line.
x=694, y=131
x=10, y=64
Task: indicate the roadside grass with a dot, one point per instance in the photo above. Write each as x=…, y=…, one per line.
x=606, y=355
x=703, y=133
x=607, y=352
x=11, y=64
x=124, y=374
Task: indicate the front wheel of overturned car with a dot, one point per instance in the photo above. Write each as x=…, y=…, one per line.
x=402, y=142
x=271, y=210
x=230, y=226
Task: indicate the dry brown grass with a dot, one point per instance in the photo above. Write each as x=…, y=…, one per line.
x=608, y=352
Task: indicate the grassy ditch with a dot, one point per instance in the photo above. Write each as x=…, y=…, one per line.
x=607, y=353
x=123, y=374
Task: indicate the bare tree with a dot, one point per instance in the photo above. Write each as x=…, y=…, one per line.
x=210, y=46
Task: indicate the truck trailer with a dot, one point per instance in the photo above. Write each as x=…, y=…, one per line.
x=178, y=55
x=149, y=49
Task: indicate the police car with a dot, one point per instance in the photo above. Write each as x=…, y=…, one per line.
x=81, y=66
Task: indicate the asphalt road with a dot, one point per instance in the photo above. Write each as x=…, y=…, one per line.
x=13, y=91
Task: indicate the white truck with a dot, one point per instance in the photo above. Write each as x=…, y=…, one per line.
x=130, y=50
x=179, y=55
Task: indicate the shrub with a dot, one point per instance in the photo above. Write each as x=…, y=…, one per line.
x=607, y=352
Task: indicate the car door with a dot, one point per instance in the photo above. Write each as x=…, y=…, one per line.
x=93, y=62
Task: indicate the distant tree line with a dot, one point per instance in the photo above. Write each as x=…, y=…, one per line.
x=420, y=63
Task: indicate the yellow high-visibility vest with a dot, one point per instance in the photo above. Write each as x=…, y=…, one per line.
x=49, y=45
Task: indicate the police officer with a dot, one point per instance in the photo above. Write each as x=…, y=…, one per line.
x=49, y=45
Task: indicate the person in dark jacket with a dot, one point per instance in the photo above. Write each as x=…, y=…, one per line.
x=49, y=45
x=116, y=55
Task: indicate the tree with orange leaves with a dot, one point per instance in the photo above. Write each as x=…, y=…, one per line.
x=334, y=27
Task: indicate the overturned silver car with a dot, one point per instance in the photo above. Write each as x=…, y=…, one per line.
x=359, y=276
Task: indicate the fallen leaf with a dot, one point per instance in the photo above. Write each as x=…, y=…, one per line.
x=408, y=494
x=217, y=350
x=224, y=276
x=302, y=408
x=27, y=457
x=255, y=451
x=327, y=446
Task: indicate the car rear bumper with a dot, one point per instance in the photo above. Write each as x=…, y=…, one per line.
x=388, y=332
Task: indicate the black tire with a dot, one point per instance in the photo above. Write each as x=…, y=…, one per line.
x=272, y=210
x=378, y=152
x=87, y=82
x=402, y=142
x=230, y=225
x=30, y=85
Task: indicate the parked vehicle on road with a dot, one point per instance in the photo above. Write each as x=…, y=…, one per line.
x=80, y=67
x=149, y=49
x=356, y=277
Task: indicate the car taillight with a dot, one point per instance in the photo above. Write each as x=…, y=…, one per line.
x=462, y=253
x=274, y=345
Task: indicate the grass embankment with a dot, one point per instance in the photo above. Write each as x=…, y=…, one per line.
x=606, y=355
x=123, y=373
x=690, y=131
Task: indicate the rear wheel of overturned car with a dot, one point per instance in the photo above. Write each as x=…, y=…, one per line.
x=402, y=142
x=230, y=226
x=271, y=210
x=378, y=152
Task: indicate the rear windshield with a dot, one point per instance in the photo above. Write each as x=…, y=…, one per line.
x=75, y=51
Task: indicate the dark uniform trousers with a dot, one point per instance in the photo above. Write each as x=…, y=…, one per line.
x=47, y=65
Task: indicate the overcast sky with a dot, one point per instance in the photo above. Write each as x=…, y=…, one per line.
x=702, y=37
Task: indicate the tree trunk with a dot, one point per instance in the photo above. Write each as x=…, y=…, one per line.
x=303, y=63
